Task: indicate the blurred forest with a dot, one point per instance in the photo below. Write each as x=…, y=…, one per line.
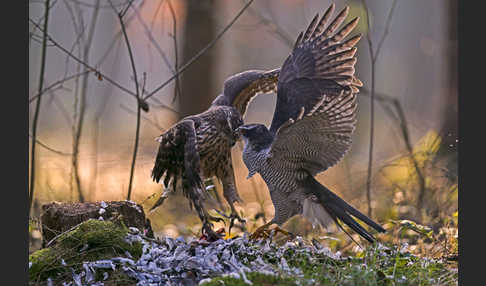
x=93, y=100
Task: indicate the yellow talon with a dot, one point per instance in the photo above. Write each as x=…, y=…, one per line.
x=264, y=232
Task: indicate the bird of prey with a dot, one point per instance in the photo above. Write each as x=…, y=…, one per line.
x=311, y=129
x=199, y=146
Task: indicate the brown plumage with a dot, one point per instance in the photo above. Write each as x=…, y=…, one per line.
x=199, y=146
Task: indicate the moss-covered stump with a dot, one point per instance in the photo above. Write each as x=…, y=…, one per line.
x=57, y=217
x=92, y=240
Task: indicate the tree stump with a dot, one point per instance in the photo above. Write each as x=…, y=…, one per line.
x=57, y=218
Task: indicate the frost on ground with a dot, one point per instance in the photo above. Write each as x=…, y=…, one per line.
x=240, y=261
x=178, y=262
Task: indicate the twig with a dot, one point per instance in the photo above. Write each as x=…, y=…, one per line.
x=373, y=58
x=406, y=139
x=96, y=127
x=50, y=148
x=200, y=53
x=139, y=107
x=62, y=109
x=163, y=105
x=154, y=42
x=61, y=81
x=37, y=107
x=89, y=5
x=177, y=90
x=270, y=23
x=82, y=104
x=155, y=124
x=79, y=31
x=85, y=64
x=116, y=38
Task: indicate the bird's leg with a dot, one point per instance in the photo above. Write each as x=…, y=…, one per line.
x=207, y=231
x=235, y=216
x=207, y=227
x=264, y=231
x=283, y=231
x=230, y=193
x=261, y=232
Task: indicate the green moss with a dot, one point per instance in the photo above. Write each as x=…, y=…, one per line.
x=89, y=241
x=258, y=279
x=43, y=260
x=375, y=266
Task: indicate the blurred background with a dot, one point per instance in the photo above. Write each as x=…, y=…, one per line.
x=87, y=122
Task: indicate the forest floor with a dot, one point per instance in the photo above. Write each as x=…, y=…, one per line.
x=108, y=253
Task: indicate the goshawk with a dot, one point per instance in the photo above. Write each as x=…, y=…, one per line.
x=312, y=125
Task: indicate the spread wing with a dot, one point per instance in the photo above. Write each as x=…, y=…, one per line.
x=240, y=89
x=318, y=138
x=178, y=159
x=321, y=65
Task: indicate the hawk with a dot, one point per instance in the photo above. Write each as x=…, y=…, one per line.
x=311, y=129
x=199, y=146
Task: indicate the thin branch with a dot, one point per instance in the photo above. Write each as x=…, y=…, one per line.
x=116, y=38
x=89, y=5
x=62, y=109
x=139, y=107
x=276, y=29
x=122, y=13
x=37, y=107
x=406, y=139
x=96, y=126
x=154, y=42
x=200, y=53
x=163, y=105
x=177, y=90
x=59, y=82
x=79, y=31
x=150, y=121
x=373, y=57
x=85, y=64
x=82, y=104
x=387, y=29
x=37, y=141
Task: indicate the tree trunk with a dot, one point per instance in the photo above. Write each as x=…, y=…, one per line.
x=196, y=81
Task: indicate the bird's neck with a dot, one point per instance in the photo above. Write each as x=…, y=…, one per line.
x=254, y=158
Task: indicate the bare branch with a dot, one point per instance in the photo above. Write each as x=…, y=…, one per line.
x=273, y=27
x=200, y=53
x=154, y=42
x=139, y=107
x=177, y=90
x=387, y=29
x=116, y=38
x=87, y=65
x=150, y=121
x=37, y=107
x=96, y=126
x=89, y=5
x=82, y=104
x=402, y=121
x=59, y=82
x=373, y=57
x=50, y=148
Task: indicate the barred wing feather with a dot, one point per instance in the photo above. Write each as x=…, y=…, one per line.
x=318, y=138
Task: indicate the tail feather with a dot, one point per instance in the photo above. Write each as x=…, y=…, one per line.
x=337, y=209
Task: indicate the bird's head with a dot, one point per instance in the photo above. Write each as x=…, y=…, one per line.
x=255, y=136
